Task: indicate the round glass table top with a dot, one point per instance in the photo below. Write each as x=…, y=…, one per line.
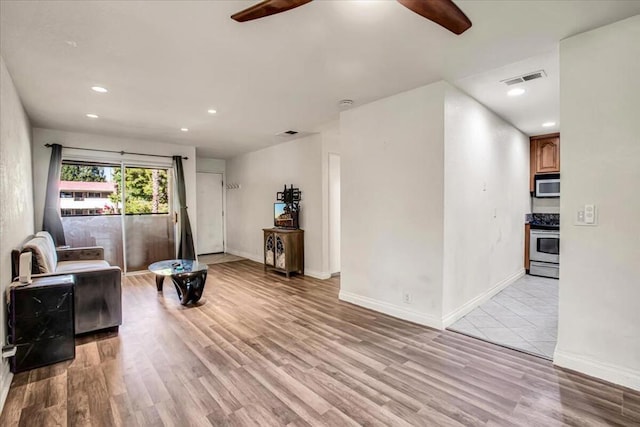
x=177, y=266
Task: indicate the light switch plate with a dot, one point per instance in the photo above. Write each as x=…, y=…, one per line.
x=587, y=215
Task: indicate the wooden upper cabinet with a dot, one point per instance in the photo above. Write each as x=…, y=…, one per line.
x=545, y=155
x=548, y=155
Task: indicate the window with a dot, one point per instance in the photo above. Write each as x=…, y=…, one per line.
x=89, y=189
x=113, y=206
x=147, y=191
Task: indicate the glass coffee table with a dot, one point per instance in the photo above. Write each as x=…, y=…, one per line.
x=188, y=276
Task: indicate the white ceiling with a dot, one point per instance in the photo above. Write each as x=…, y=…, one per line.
x=165, y=63
x=540, y=103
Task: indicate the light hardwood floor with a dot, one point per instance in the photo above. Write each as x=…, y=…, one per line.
x=264, y=350
x=219, y=258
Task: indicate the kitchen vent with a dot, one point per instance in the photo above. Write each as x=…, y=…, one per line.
x=288, y=133
x=524, y=78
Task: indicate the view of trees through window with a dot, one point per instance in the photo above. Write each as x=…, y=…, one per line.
x=95, y=189
x=83, y=173
x=146, y=190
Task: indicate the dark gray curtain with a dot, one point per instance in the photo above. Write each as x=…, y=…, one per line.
x=185, y=246
x=51, y=220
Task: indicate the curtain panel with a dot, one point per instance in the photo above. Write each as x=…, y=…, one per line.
x=186, y=250
x=51, y=220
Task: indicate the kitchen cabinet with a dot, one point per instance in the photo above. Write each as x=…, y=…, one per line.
x=544, y=154
x=284, y=250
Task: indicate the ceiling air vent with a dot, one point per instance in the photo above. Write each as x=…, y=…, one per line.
x=287, y=133
x=533, y=76
x=524, y=78
x=513, y=81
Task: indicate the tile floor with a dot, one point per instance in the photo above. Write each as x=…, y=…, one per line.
x=523, y=316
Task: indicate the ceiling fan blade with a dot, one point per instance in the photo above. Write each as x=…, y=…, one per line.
x=266, y=8
x=442, y=12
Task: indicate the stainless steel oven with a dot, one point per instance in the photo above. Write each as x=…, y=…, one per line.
x=544, y=253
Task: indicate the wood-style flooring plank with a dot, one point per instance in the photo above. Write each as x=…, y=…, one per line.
x=265, y=350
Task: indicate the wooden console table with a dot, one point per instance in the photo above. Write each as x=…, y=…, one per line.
x=284, y=250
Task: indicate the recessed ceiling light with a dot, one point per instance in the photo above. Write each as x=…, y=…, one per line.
x=211, y=111
x=71, y=43
x=184, y=129
x=99, y=89
x=92, y=116
x=516, y=91
x=548, y=124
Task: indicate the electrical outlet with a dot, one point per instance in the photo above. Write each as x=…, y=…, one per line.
x=587, y=215
x=9, y=351
x=406, y=297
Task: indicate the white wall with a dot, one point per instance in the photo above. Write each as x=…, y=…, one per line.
x=434, y=197
x=41, y=156
x=599, y=324
x=486, y=197
x=543, y=205
x=392, y=176
x=261, y=174
x=204, y=164
x=334, y=213
x=16, y=194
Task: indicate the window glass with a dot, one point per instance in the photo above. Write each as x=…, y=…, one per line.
x=89, y=189
x=147, y=191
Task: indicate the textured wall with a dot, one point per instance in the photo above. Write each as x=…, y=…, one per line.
x=16, y=190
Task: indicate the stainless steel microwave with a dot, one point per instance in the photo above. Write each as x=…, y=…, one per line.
x=547, y=185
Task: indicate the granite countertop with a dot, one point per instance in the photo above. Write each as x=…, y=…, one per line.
x=543, y=220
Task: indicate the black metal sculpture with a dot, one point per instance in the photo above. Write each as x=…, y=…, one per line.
x=291, y=197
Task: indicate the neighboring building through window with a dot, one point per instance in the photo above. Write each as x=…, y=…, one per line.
x=94, y=189
x=87, y=198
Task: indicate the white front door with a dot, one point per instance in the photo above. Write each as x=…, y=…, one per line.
x=210, y=219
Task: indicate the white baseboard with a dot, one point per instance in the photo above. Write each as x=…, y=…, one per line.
x=259, y=258
x=467, y=307
x=615, y=374
x=317, y=274
x=5, y=382
x=392, y=310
